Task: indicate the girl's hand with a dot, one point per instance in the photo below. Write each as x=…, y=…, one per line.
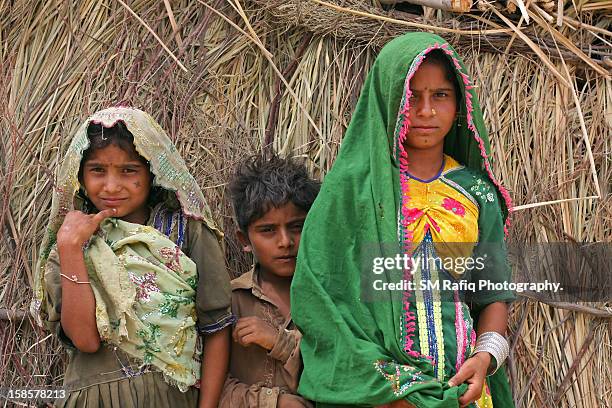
x=473, y=372
x=78, y=227
x=253, y=330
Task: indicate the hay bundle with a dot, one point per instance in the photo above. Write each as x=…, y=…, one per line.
x=226, y=79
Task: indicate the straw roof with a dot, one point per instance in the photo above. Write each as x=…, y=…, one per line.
x=226, y=78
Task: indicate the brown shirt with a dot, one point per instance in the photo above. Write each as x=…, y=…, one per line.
x=257, y=377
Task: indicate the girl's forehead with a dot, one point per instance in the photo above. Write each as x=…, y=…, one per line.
x=114, y=154
x=430, y=74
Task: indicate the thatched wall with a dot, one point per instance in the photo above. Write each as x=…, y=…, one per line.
x=64, y=60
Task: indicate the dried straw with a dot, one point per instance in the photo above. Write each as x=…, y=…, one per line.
x=306, y=62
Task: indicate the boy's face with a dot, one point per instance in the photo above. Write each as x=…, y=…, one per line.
x=274, y=239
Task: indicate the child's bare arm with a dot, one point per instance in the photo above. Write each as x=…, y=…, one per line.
x=78, y=314
x=493, y=317
x=214, y=367
x=78, y=303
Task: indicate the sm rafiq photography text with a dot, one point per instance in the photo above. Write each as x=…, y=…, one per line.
x=458, y=265
x=466, y=286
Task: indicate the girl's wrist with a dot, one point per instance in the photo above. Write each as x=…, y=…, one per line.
x=495, y=346
x=69, y=245
x=72, y=244
x=486, y=358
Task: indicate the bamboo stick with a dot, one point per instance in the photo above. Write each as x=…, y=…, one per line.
x=542, y=13
x=407, y=23
x=534, y=47
x=574, y=307
x=570, y=45
x=523, y=8
x=457, y=6
x=177, y=33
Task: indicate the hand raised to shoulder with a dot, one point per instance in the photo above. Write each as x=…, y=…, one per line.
x=78, y=227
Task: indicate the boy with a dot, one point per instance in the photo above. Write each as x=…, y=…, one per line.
x=271, y=197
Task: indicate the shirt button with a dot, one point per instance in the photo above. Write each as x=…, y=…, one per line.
x=269, y=391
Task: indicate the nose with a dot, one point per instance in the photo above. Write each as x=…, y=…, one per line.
x=424, y=107
x=285, y=239
x=112, y=184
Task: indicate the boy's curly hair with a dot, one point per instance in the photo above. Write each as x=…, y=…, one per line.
x=263, y=182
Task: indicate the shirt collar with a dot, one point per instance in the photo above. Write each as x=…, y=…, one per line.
x=250, y=281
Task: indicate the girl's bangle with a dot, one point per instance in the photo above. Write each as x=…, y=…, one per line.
x=74, y=279
x=494, y=344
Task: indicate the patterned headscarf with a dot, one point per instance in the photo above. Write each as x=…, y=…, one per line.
x=116, y=299
x=353, y=350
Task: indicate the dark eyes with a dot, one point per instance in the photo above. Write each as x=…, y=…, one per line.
x=294, y=227
x=101, y=170
x=438, y=95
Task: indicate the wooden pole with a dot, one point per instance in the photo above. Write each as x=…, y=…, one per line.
x=458, y=6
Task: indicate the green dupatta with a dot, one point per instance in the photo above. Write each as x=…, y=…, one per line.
x=143, y=284
x=352, y=349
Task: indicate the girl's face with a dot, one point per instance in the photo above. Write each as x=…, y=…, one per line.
x=433, y=108
x=114, y=178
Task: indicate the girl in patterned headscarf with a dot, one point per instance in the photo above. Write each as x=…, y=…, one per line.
x=410, y=200
x=131, y=270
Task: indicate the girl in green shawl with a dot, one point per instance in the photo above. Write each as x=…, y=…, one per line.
x=131, y=271
x=409, y=219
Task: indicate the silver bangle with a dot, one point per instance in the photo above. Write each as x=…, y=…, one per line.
x=494, y=344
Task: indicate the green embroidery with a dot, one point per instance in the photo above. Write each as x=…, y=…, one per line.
x=482, y=189
x=149, y=339
x=401, y=377
x=172, y=303
x=193, y=282
x=114, y=324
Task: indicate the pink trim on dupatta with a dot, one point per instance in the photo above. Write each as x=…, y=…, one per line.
x=407, y=236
